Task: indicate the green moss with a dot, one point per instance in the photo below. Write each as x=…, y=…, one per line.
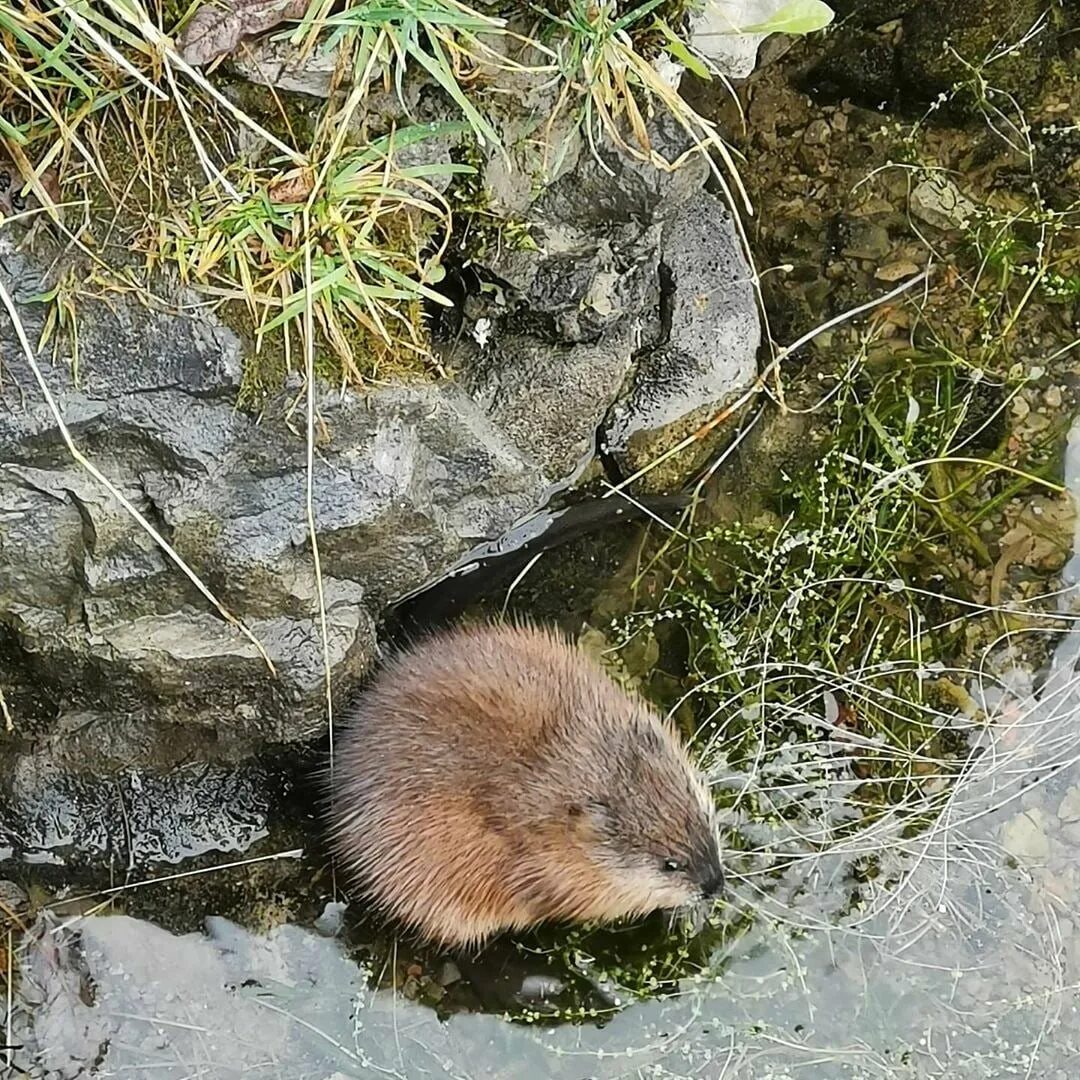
x=478, y=229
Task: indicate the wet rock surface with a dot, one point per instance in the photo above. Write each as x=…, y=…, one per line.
x=707, y=352
x=137, y=817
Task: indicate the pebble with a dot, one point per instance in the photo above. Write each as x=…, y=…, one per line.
x=939, y=202
x=540, y=987
x=449, y=974
x=1069, y=810
x=330, y=922
x=894, y=271
x=1024, y=836
x=1052, y=397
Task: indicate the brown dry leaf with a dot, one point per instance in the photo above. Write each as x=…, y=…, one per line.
x=293, y=187
x=220, y=25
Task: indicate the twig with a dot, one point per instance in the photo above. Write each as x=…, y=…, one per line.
x=309, y=372
x=10, y=1000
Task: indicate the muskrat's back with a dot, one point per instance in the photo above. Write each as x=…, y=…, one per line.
x=494, y=777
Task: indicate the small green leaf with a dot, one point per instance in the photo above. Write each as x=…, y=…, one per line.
x=681, y=53
x=798, y=17
x=12, y=132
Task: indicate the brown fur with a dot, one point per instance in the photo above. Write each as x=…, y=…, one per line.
x=494, y=777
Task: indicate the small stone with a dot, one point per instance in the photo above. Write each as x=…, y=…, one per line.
x=1052, y=397
x=1069, y=810
x=13, y=898
x=330, y=922
x=817, y=133
x=540, y=987
x=896, y=271
x=1020, y=407
x=867, y=241
x=940, y=203
x=449, y=974
x=1024, y=836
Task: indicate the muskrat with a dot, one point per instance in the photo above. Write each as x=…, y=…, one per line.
x=493, y=778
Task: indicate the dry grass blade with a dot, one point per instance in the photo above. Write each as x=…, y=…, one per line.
x=5, y=713
x=309, y=501
x=615, y=87
x=134, y=14
x=10, y=1050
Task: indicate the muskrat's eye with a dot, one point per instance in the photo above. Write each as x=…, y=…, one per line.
x=672, y=866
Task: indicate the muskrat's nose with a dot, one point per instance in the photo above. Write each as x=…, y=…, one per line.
x=713, y=885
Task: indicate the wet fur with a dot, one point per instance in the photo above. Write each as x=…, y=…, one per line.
x=477, y=776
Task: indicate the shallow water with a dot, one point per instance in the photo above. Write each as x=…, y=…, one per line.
x=947, y=949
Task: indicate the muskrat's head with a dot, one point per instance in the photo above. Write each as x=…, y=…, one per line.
x=643, y=819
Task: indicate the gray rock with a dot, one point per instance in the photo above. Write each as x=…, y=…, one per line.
x=610, y=186
x=711, y=347
x=97, y=618
x=136, y=817
x=581, y=285
x=552, y=398
x=939, y=202
x=276, y=62
x=13, y=897
x=1069, y=808
x=1024, y=836
x=638, y=269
